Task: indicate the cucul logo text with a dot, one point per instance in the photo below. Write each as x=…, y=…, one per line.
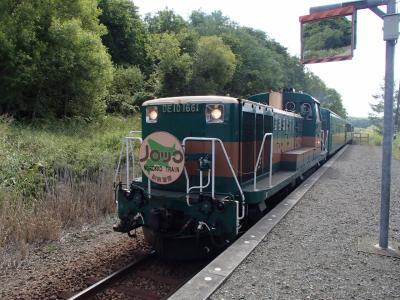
x=162, y=158
x=157, y=154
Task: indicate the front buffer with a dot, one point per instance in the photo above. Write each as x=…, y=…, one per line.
x=178, y=227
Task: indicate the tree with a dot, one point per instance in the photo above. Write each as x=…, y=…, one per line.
x=333, y=101
x=172, y=68
x=259, y=68
x=165, y=21
x=212, y=24
x=126, y=36
x=328, y=97
x=52, y=60
x=378, y=108
x=127, y=84
x=213, y=67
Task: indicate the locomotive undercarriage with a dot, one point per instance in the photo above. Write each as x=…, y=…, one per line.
x=175, y=229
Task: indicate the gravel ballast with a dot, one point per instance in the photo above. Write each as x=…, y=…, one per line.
x=313, y=253
x=57, y=269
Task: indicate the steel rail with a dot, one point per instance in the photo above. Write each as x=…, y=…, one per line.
x=103, y=283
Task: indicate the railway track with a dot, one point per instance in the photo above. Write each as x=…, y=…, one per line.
x=147, y=278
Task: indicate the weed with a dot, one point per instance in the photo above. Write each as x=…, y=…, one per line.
x=54, y=175
x=69, y=203
x=375, y=138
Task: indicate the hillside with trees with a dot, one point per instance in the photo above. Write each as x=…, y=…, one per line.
x=84, y=58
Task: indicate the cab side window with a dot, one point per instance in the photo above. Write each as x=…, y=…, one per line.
x=306, y=111
x=317, y=113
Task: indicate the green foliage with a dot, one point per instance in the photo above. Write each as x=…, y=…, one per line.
x=52, y=59
x=213, y=67
x=165, y=21
x=328, y=97
x=376, y=117
x=212, y=24
x=374, y=136
x=396, y=148
x=126, y=35
x=172, y=68
x=360, y=122
x=327, y=34
x=333, y=101
x=30, y=155
x=259, y=67
x=52, y=62
x=127, y=83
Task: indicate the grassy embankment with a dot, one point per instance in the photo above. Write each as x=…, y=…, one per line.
x=375, y=138
x=56, y=175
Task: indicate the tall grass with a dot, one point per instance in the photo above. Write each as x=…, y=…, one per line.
x=396, y=147
x=69, y=203
x=376, y=139
x=31, y=155
x=55, y=175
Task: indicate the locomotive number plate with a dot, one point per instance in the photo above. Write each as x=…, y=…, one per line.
x=178, y=108
x=161, y=157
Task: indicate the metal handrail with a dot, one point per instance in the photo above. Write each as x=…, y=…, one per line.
x=270, y=159
x=126, y=143
x=200, y=186
x=212, y=140
x=135, y=132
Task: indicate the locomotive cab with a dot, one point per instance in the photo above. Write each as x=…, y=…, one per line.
x=190, y=188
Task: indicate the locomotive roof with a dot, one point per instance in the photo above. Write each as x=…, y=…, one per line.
x=192, y=99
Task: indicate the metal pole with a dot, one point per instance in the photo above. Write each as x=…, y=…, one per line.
x=387, y=137
x=213, y=169
x=127, y=162
x=271, y=150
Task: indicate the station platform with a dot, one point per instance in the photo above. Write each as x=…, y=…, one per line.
x=322, y=248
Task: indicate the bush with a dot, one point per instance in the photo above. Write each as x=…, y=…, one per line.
x=31, y=155
x=127, y=83
x=52, y=60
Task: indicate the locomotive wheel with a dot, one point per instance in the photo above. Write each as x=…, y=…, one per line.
x=181, y=247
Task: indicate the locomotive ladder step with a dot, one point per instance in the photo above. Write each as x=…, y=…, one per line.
x=263, y=183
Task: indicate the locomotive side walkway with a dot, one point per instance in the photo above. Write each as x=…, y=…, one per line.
x=317, y=249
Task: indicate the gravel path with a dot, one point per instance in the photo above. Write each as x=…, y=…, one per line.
x=70, y=264
x=313, y=253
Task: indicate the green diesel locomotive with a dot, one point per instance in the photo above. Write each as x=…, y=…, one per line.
x=210, y=163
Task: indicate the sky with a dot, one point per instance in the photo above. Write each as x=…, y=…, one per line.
x=356, y=80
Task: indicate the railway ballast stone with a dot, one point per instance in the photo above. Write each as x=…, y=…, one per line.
x=313, y=253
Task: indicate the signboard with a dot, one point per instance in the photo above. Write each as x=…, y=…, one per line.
x=327, y=36
x=161, y=157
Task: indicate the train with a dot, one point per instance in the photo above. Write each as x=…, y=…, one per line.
x=210, y=164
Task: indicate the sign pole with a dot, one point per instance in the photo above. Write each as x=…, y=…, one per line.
x=391, y=33
x=387, y=136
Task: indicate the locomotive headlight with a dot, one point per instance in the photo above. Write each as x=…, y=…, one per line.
x=151, y=114
x=215, y=113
